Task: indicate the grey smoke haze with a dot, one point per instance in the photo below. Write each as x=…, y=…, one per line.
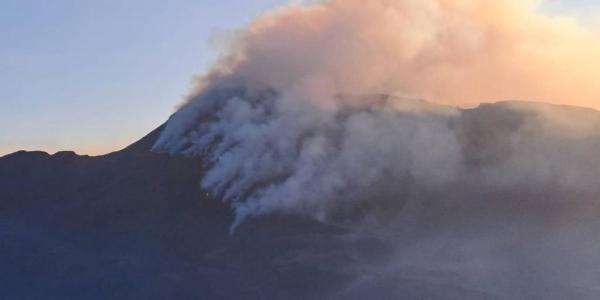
x=270, y=153
x=500, y=199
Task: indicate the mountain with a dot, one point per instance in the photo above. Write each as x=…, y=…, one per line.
x=135, y=224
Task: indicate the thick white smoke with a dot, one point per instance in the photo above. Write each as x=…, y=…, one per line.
x=295, y=119
x=500, y=200
x=457, y=52
x=270, y=153
x=284, y=128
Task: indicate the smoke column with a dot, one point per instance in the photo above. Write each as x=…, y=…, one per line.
x=312, y=112
x=285, y=129
x=458, y=52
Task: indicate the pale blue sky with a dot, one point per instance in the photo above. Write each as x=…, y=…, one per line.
x=93, y=76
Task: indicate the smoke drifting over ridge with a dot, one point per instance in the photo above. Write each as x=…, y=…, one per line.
x=269, y=153
x=296, y=118
x=284, y=130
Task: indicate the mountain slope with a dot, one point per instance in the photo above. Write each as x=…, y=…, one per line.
x=130, y=225
x=135, y=224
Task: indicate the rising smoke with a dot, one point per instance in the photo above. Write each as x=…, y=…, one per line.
x=458, y=52
x=296, y=119
x=282, y=133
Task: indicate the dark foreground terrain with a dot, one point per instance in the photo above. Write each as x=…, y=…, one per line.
x=135, y=225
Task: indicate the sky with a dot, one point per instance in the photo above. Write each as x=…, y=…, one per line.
x=94, y=76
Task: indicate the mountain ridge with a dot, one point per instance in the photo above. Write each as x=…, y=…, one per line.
x=135, y=224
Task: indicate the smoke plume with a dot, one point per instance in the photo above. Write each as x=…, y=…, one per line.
x=458, y=52
x=298, y=118
x=285, y=129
